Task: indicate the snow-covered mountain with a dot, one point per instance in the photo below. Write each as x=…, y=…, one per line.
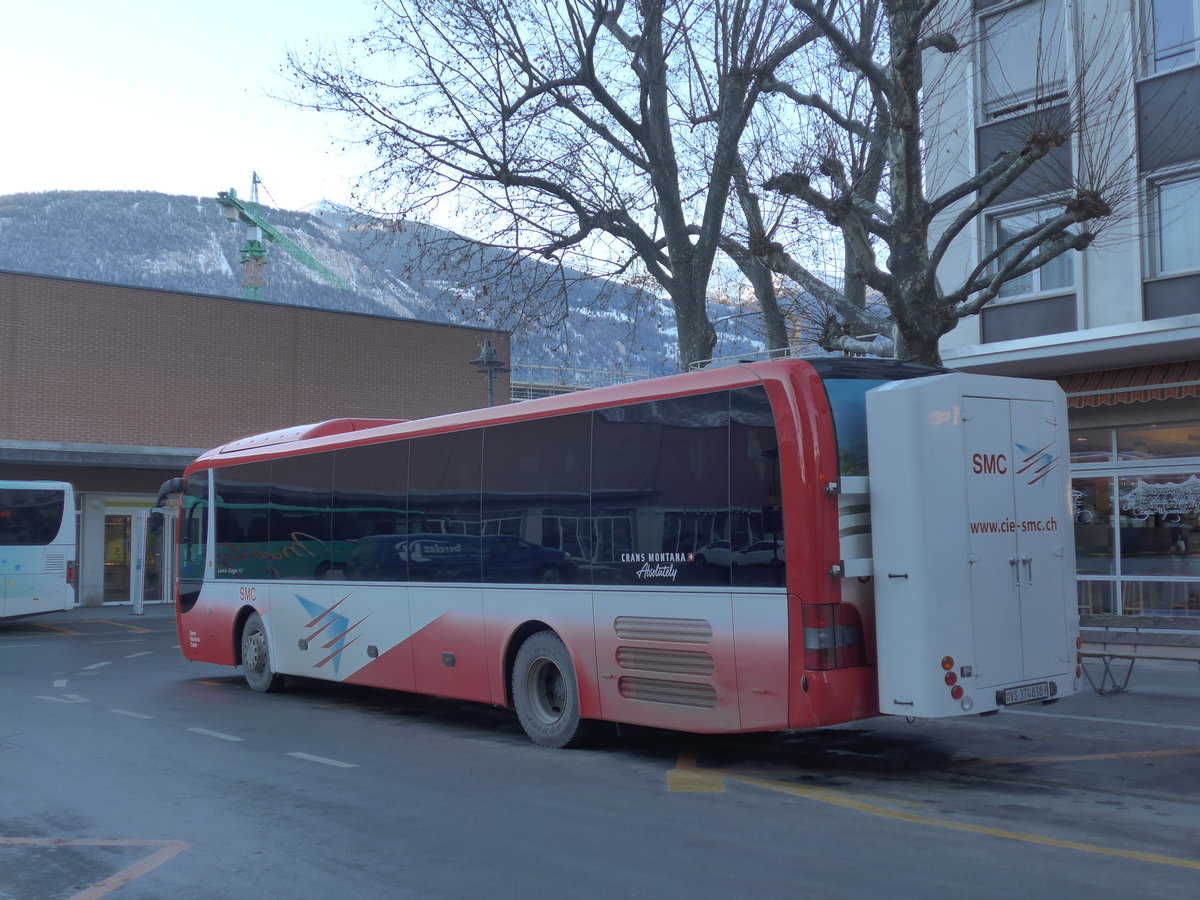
x=582, y=330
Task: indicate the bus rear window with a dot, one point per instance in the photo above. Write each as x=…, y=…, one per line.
x=848, y=401
x=30, y=517
x=847, y=381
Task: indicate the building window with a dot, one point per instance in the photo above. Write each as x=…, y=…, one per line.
x=1171, y=28
x=1174, y=208
x=1056, y=276
x=1136, y=505
x=1024, y=58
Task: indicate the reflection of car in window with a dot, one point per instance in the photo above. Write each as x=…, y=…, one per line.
x=759, y=553
x=458, y=557
x=718, y=553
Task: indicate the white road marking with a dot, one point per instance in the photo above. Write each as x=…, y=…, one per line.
x=132, y=715
x=66, y=698
x=1134, y=722
x=215, y=734
x=99, y=665
x=122, y=641
x=324, y=761
x=60, y=683
x=136, y=655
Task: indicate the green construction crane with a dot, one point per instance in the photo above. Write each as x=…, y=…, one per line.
x=254, y=251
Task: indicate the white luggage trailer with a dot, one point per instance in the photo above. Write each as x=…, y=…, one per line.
x=973, y=544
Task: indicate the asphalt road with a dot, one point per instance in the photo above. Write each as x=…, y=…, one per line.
x=126, y=771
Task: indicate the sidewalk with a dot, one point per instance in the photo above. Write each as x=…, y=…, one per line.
x=113, y=612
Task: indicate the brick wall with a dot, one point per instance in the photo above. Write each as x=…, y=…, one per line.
x=96, y=363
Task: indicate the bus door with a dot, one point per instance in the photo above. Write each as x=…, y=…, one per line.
x=1015, y=495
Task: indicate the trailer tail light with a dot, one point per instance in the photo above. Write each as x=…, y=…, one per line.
x=833, y=637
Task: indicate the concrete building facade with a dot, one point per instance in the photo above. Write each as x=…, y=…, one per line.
x=1119, y=323
x=116, y=388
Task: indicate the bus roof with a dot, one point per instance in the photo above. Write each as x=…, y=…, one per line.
x=347, y=432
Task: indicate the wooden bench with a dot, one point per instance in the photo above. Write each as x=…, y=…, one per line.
x=1130, y=638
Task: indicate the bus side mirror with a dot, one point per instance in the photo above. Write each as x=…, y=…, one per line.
x=170, y=487
x=154, y=522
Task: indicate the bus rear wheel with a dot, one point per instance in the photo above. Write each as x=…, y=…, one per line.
x=546, y=693
x=256, y=660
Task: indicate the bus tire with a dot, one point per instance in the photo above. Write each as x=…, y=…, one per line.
x=546, y=693
x=256, y=660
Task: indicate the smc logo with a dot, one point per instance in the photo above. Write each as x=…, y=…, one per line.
x=989, y=464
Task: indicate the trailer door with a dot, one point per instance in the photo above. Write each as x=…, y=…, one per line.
x=1015, y=548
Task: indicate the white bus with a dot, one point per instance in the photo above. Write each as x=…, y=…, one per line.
x=37, y=547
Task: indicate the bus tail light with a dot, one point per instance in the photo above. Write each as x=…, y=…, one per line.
x=71, y=571
x=833, y=637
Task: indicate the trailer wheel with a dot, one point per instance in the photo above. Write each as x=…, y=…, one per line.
x=546, y=693
x=256, y=661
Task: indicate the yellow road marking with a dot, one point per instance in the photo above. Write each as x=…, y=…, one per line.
x=688, y=776
x=137, y=629
x=41, y=627
x=834, y=798
x=168, y=850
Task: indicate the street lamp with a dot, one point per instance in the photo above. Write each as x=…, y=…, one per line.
x=490, y=365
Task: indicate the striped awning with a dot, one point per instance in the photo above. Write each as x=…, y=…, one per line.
x=1167, y=381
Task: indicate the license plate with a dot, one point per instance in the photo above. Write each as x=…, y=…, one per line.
x=1026, y=693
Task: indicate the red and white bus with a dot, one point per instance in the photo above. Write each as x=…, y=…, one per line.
x=768, y=546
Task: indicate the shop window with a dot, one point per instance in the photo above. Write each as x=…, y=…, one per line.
x=1091, y=445
x=1151, y=442
x=1095, y=534
x=1096, y=598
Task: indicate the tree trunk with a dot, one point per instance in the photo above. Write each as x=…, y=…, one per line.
x=696, y=334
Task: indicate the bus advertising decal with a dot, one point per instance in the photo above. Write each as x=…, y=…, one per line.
x=340, y=623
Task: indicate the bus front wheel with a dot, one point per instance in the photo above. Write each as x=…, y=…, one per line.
x=256, y=660
x=546, y=693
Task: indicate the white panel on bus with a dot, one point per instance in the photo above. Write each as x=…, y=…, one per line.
x=973, y=547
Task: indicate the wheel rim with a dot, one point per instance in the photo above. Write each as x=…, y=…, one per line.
x=547, y=690
x=254, y=652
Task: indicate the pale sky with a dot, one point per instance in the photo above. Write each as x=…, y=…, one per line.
x=170, y=97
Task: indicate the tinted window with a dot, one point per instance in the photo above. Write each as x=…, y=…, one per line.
x=660, y=489
x=299, y=521
x=444, y=499
x=30, y=517
x=370, y=499
x=536, y=496
x=243, y=496
x=755, y=492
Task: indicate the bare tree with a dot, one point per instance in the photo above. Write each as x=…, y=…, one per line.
x=569, y=128
x=866, y=175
